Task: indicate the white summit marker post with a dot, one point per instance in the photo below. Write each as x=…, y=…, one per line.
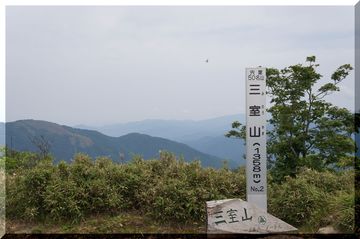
x=235, y=215
x=256, y=184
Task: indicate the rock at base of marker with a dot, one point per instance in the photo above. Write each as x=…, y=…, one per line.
x=327, y=230
x=238, y=216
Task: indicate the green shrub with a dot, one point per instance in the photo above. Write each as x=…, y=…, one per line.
x=16, y=161
x=295, y=200
x=35, y=182
x=342, y=211
x=310, y=199
x=172, y=200
x=180, y=192
x=25, y=191
x=328, y=181
x=82, y=188
x=136, y=180
x=82, y=170
x=169, y=189
x=64, y=200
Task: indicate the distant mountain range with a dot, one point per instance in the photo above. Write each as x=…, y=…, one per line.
x=203, y=139
x=204, y=135
x=179, y=130
x=66, y=141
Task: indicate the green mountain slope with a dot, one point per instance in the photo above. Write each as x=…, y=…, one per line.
x=66, y=141
x=203, y=135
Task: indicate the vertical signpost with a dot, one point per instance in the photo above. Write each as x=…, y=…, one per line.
x=236, y=215
x=256, y=184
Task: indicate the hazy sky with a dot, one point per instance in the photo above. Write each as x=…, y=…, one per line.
x=100, y=65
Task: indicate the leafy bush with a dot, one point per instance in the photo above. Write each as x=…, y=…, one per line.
x=183, y=188
x=169, y=189
x=329, y=181
x=295, y=200
x=26, y=192
x=65, y=200
x=342, y=211
x=82, y=188
x=17, y=161
x=311, y=197
x=176, y=197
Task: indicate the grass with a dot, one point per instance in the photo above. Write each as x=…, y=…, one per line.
x=131, y=222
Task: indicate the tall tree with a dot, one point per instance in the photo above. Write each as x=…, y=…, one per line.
x=306, y=130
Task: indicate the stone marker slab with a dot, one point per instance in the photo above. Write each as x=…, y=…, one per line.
x=238, y=216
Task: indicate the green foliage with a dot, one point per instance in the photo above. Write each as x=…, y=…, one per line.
x=169, y=190
x=15, y=160
x=315, y=199
x=184, y=188
x=342, y=209
x=64, y=200
x=166, y=189
x=295, y=200
x=238, y=131
x=307, y=131
x=26, y=191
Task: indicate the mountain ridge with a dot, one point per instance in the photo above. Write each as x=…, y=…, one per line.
x=66, y=141
x=203, y=135
x=169, y=128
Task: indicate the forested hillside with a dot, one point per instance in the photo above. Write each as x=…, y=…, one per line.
x=63, y=142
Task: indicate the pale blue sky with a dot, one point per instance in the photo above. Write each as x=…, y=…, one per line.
x=100, y=65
